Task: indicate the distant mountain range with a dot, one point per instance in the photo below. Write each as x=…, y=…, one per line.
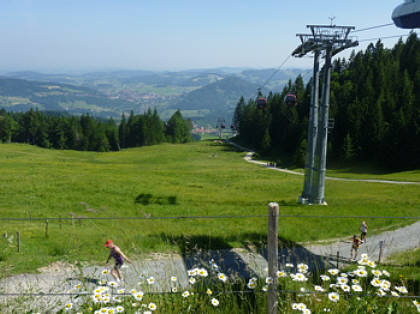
x=202, y=95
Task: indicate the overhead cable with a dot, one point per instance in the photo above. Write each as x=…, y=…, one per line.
x=372, y=27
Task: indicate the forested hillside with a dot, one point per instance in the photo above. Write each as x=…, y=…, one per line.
x=375, y=104
x=55, y=130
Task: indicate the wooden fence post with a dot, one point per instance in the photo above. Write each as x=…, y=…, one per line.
x=381, y=247
x=18, y=241
x=338, y=257
x=46, y=228
x=272, y=248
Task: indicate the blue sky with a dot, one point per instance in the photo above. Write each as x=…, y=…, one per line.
x=86, y=35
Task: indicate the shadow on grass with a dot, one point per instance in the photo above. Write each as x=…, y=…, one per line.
x=147, y=198
x=199, y=250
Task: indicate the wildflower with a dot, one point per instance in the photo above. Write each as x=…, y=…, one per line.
x=209, y=292
x=281, y=274
x=173, y=278
x=222, y=277
x=363, y=261
x=326, y=310
x=319, y=288
x=138, y=295
x=385, y=285
x=355, y=281
x=306, y=311
x=333, y=296
x=78, y=286
x=214, y=302
x=119, y=309
x=361, y=273
x=68, y=306
x=152, y=306
x=112, y=284
x=193, y=272
x=133, y=291
x=102, y=282
x=251, y=285
x=401, y=289
x=105, y=272
x=356, y=288
x=371, y=264
x=376, y=272
x=325, y=277
x=301, y=306
x=269, y=280
x=97, y=298
x=381, y=293
x=174, y=289
x=351, y=274
x=333, y=285
x=376, y=282
x=253, y=279
x=186, y=294
x=385, y=273
x=106, y=299
x=395, y=294
x=192, y=280
x=147, y=312
x=343, y=275
x=117, y=299
x=416, y=303
x=111, y=310
x=342, y=280
x=150, y=280
x=294, y=306
x=290, y=265
x=300, y=277
x=121, y=291
x=333, y=271
x=303, y=268
x=345, y=288
x=265, y=288
x=203, y=272
x=364, y=255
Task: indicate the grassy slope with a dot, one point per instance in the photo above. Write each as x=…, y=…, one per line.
x=49, y=183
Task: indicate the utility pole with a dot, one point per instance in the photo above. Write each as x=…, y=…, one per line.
x=325, y=40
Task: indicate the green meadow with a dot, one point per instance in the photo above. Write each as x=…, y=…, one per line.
x=204, y=178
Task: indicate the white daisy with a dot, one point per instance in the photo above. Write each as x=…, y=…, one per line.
x=214, y=302
x=333, y=296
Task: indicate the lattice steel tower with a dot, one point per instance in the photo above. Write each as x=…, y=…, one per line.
x=325, y=41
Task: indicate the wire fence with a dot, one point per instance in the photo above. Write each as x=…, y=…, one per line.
x=43, y=219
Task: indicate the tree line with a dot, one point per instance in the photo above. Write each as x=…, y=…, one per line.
x=375, y=105
x=86, y=133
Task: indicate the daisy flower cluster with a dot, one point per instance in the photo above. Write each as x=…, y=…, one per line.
x=333, y=287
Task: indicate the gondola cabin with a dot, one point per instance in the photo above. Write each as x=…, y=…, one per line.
x=290, y=100
x=261, y=102
x=407, y=14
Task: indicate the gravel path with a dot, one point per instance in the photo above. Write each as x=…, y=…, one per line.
x=249, y=155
